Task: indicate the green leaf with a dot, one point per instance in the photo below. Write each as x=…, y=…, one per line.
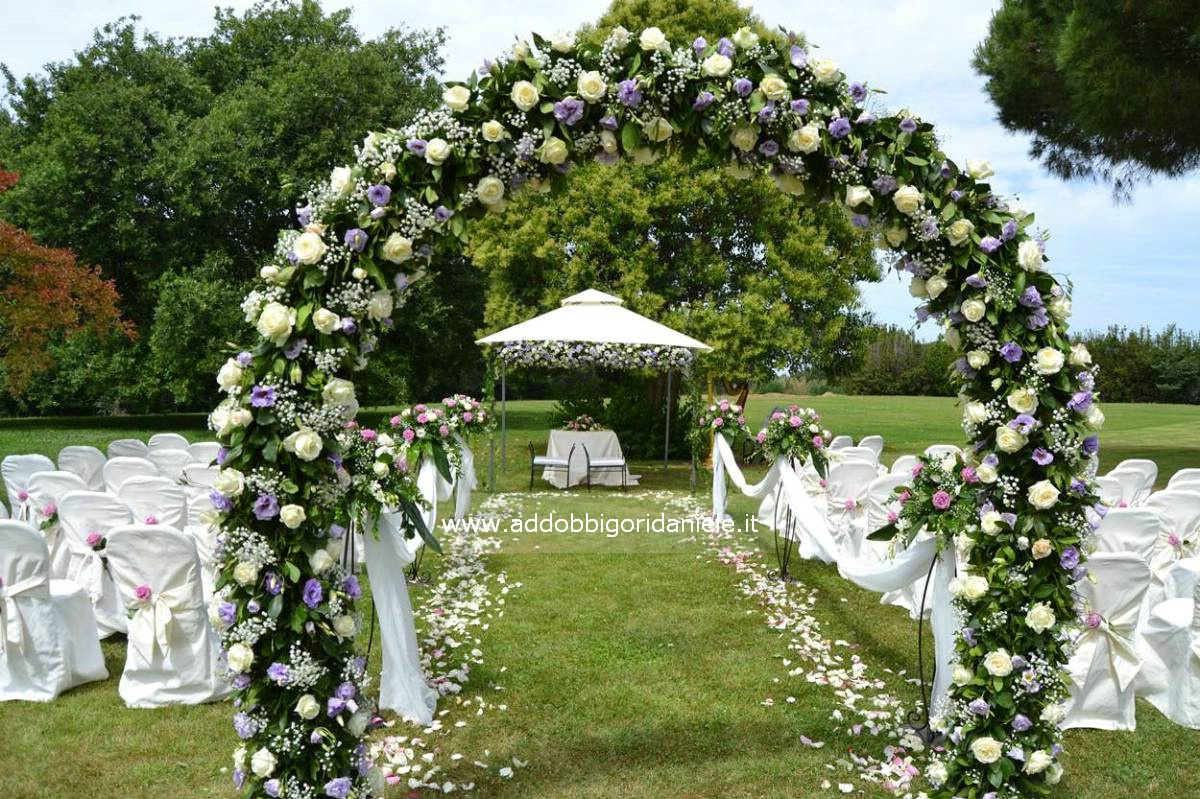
x=631, y=137
x=914, y=159
x=271, y=450
x=442, y=462
x=276, y=606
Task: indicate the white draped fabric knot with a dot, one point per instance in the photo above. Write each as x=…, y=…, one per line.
x=12, y=623
x=152, y=622
x=89, y=572
x=1123, y=658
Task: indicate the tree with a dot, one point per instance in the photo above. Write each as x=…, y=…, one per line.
x=46, y=296
x=1109, y=89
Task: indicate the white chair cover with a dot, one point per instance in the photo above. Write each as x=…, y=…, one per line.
x=840, y=442
x=127, y=448
x=201, y=528
x=1170, y=649
x=1111, y=490
x=173, y=652
x=155, y=498
x=1128, y=530
x=1179, y=517
x=120, y=469
x=16, y=470
x=204, y=452
x=465, y=481
x=170, y=462
x=1149, y=471
x=48, y=640
x=87, y=462
x=882, y=498
x=1181, y=579
x=402, y=688
x=874, y=443
x=3, y=511
x=864, y=454
x=1133, y=484
x=197, y=475
x=846, y=489
x=81, y=513
x=48, y=488
x=942, y=450
x=1190, y=476
x=904, y=465
x=1106, y=661
x=163, y=441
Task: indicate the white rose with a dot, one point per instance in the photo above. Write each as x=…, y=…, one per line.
x=341, y=180
x=620, y=36
x=744, y=136
x=262, y=763
x=230, y=375
x=380, y=468
x=773, y=87
x=1040, y=617
x=524, y=95
x=806, y=140
x=1049, y=361
x=1060, y=308
x=1038, y=761
x=320, y=561
x=657, y=129
x=345, y=626
x=230, y=482
x=1029, y=256
x=275, y=322
x=986, y=473
x=562, y=41
x=973, y=310
x=975, y=412
x=437, y=151
x=908, y=199
x=309, y=248
x=1023, y=400
x=974, y=586
x=292, y=516
x=553, y=151
x=239, y=758
x=397, y=248
x=789, y=184
x=856, y=195
x=979, y=168
x=1095, y=417
x=825, y=70
x=959, y=231
x=653, y=39
x=986, y=750
x=245, y=573
x=269, y=273
x=1054, y=774
x=305, y=444
x=608, y=141
x=240, y=658
x=990, y=522
x=325, y=320
x=492, y=130
x=716, y=65
x=1043, y=495
x=240, y=417
x=998, y=663
x=962, y=675
x=591, y=86
x=380, y=305
x=1009, y=440
x=1054, y=713
x=977, y=359
x=457, y=98
x=388, y=170
x=521, y=50
x=896, y=235
x=489, y=190
x=952, y=338
x=934, y=286
x=936, y=772
x=308, y=707
x=744, y=38
x=1080, y=355
x=357, y=725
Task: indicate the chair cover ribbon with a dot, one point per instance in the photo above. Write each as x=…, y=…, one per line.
x=12, y=623
x=90, y=573
x=151, y=623
x=1123, y=659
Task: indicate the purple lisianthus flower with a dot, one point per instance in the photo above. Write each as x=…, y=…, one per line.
x=800, y=106
x=725, y=47
x=992, y=459
x=355, y=239
x=968, y=635
x=798, y=55
x=272, y=583
x=569, y=110
x=272, y=787
x=312, y=592
x=241, y=682
x=1043, y=456
x=923, y=313
x=346, y=691
x=1069, y=559
x=1021, y=723
x=292, y=351
x=1023, y=423
x=839, y=128
x=1091, y=445
x=884, y=185
x=743, y=87
x=334, y=707
x=1086, y=380
x=703, y=101
x=930, y=228
x=769, y=148
x=947, y=171
x=865, y=118
x=245, y=726
x=278, y=673
x=349, y=326
x=1078, y=486
x=627, y=93
x=244, y=359
x=416, y=146
x=442, y=213
x=860, y=221
x=767, y=112
x=266, y=507
x=700, y=45
x=378, y=213
x=262, y=396
x=989, y=244
x=1080, y=401
x=858, y=92
x=979, y=707
x=956, y=195
x=227, y=613
x=219, y=501
x=338, y=788
x=608, y=122
x=304, y=214
x=1008, y=230
x=379, y=194
x=908, y=125
x=222, y=456
x=253, y=606
x=352, y=588
x=336, y=532
x=1031, y=298
x=1012, y=352
x=239, y=778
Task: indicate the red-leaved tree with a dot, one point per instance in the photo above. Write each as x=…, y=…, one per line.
x=46, y=296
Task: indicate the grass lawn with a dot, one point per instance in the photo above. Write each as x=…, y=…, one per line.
x=630, y=666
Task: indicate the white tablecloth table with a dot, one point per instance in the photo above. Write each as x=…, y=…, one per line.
x=599, y=443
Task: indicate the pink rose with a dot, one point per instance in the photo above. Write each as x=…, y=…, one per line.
x=151, y=520
x=396, y=421
x=718, y=422
x=795, y=421
x=818, y=442
x=419, y=408
x=822, y=482
x=444, y=431
x=49, y=510
x=741, y=420
x=778, y=415
x=849, y=504
x=1122, y=504
x=942, y=500
x=468, y=416
x=408, y=434
x=1174, y=540
x=1094, y=620
x=968, y=474
x=916, y=470
x=422, y=418
x=892, y=517
x=22, y=495
x=368, y=434
x=762, y=436
x=142, y=592
x=94, y=538
x=905, y=497
x=450, y=403
x=723, y=405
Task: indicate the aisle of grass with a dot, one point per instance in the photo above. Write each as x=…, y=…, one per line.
x=630, y=666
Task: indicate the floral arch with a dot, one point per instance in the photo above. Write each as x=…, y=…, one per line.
x=291, y=485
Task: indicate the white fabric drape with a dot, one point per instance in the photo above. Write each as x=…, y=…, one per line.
x=402, y=686
x=434, y=488
x=465, y=480
x=723, y=461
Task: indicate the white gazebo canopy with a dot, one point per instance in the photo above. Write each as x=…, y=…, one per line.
x=594, y=316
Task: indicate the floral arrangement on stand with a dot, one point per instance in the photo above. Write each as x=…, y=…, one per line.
x=943, y=498
x=795, y=433
x=572, y=354
x=723, y=417
x=467, y=416
x=426, y=432
x=769, y=106
x=378, y=467
x=582, y=424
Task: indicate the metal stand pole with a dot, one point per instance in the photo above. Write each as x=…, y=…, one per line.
x=667, y=442
x=492, y=462
x=503, y=417
x=918, y=724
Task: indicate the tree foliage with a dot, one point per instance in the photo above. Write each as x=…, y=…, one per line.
x=1109, y=89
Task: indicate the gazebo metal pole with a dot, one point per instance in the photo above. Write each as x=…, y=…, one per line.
x=503, y=417
x=667, y=441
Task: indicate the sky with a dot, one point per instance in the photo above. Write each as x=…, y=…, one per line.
x=1131, y=264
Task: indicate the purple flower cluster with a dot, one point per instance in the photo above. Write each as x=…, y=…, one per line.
x=569, y=110
x=839, y=128
x=313, y=594
x=1012, y=352
x=266, y=507
x=262, y=396
x=628, y=93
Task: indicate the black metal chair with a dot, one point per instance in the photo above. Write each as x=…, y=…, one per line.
x=606, y=464
x=548, y=463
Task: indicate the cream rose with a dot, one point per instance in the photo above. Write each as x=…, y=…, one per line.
x=591, y=86
x=990, y=522
x=1060, y=308
x=230, y=375
x=896, y=236
x=1023, y=400
x=492, y=130
x=1038, y=761
x=305, y=444
x=979, y=169
x=1009, y=440
x=959, y=231
x=962, y=675
x=657, y=129
x=292, y=516
x=716, y=65
x=975, y=412
x=1054, y=774
x=744, y=136
x=986, y=750
x=608, y=141
x=1029, y=256
x=240, y=658
x=1095, y=417
x=309, y=248
x=1054, y=713
x=562, y=41
x=1040, y=618
x=773, y=87
x=1043, y=495
x=489, y=190
x=380, y=305
x=308, y=707
x=908, y=199
x=341, y=180
x=325, y=320
x=653, y=39
x=1048, y=361
x=524, y=95
x=952, y=338
x=437, y=151
x=230, y=482
x=916, y=287
x=974, y=587
x=857, y=195
x=1080, y=355
x=973, y=310
x=998, y=663
x=977, y=359
x=397, y=248
x=245, y=573
x=986, y=473
x=457, y=98
x=553, y=151
x=934, y=286
x=262, y=763
x=936, y=772
x=320, y=561
x=275, y=322
x=825, y=70
x=744, y=38
x=345, y=626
